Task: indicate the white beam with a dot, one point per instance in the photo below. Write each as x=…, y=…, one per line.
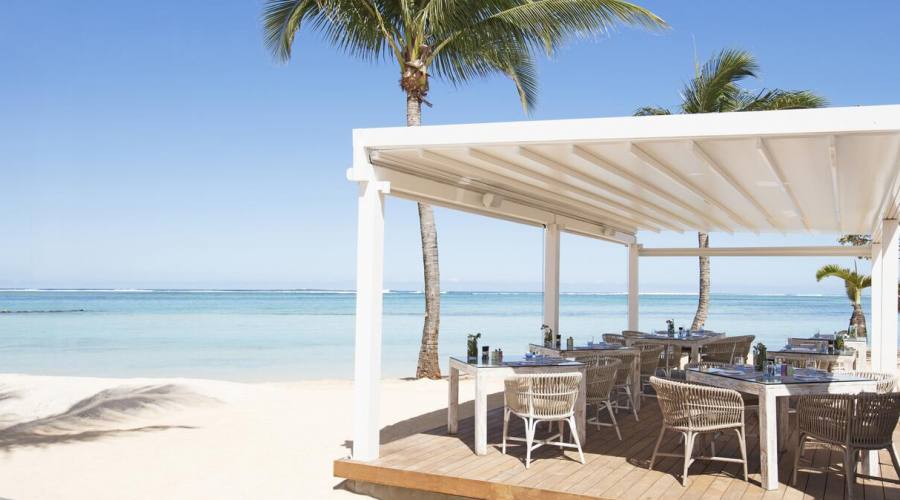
x=466, y=199
x=561, y=187
x=723, y=174
x=618, y=170
x=551, y=278
x=887, y=208
x=676, y=177
x=835, y=182
x=633, y=287
x=875, y=320
x=884, y=346
x=805, y=122
x=766, y=154
x=573, y=173
x=532, y=191
x=816, y=251
x=367, y=352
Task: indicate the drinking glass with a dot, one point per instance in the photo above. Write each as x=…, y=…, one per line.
x=811, y=364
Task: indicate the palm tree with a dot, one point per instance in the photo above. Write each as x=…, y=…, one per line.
x=854, y=283
x=715, y=89
x=457, y=41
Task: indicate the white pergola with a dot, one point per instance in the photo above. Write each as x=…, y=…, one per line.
x=831, y=170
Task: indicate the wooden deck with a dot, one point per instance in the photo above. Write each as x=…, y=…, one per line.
x=437, y=462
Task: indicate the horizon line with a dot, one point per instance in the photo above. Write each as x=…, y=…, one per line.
x=389, y=290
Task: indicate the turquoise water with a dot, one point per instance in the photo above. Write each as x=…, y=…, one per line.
x=284, y=335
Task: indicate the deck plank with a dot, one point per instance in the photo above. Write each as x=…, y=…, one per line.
x=613, y=469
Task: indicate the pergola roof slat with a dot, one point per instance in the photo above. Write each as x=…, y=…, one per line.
x=824, y=170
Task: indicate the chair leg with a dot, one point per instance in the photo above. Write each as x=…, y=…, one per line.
x=631, y=402
x=612, y=416
x=575, y=436
x=529, y=439
x=662, y=431
x=688, y=453
x=893, y=454
x=849, y=472
x=742, y=442
x=505, y=427
x=801, y=440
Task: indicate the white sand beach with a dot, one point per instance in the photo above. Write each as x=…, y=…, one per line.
x=98, y=438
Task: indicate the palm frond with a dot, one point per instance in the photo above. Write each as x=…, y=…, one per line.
x=651, y=111
x=833, y=270
x=715, y=89
x=538, y=23
x=767, y=100
x=358, y=27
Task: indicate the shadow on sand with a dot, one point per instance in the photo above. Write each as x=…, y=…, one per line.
x=102, y=415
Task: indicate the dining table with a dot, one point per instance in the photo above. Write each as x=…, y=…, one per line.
x=821, y=357
x=691, y=340
x=858, y=344
x=483, y=370
x=598, y=348
x=774, y=392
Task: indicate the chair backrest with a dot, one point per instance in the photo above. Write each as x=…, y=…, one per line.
x=650, y=358
x=601, y=376
x=542, y=395
x=697, y=407
x=742, y=346
x=726, y=349
x=614, y=338
x=887, y=382
x=864, y=420
x=874, y=420
x=627, y=368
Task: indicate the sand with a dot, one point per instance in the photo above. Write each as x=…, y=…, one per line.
x=73, y=437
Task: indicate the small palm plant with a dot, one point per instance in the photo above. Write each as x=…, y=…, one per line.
x=854, y=283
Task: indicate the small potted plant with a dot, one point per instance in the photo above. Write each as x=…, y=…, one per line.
x=670, y=327
x=759, y=356
x=548, y=335
x=472, y=347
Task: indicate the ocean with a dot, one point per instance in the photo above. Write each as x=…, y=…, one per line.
x=278, y=335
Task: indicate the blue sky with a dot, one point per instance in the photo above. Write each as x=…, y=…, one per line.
x=157, y=144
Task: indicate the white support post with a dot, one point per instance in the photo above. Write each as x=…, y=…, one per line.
x=874, y=323
x=884, y=341
x=369, y=287
x=551, y=278
x=633, y=286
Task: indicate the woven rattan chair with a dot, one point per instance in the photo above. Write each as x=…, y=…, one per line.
x=887, y=382
x=856, y=423
x=601, y=376
x=650, y=358
x=544, y=397
x=727, y=348
x=692, y=410
x=614, y=338
x=624, y=378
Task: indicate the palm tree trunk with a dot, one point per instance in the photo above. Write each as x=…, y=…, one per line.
x=703, y=300
x=858, y=319
x=428, y=365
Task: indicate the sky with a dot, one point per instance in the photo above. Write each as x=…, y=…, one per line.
x=159, y=145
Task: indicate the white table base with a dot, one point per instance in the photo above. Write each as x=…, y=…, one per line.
x=481, y=376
